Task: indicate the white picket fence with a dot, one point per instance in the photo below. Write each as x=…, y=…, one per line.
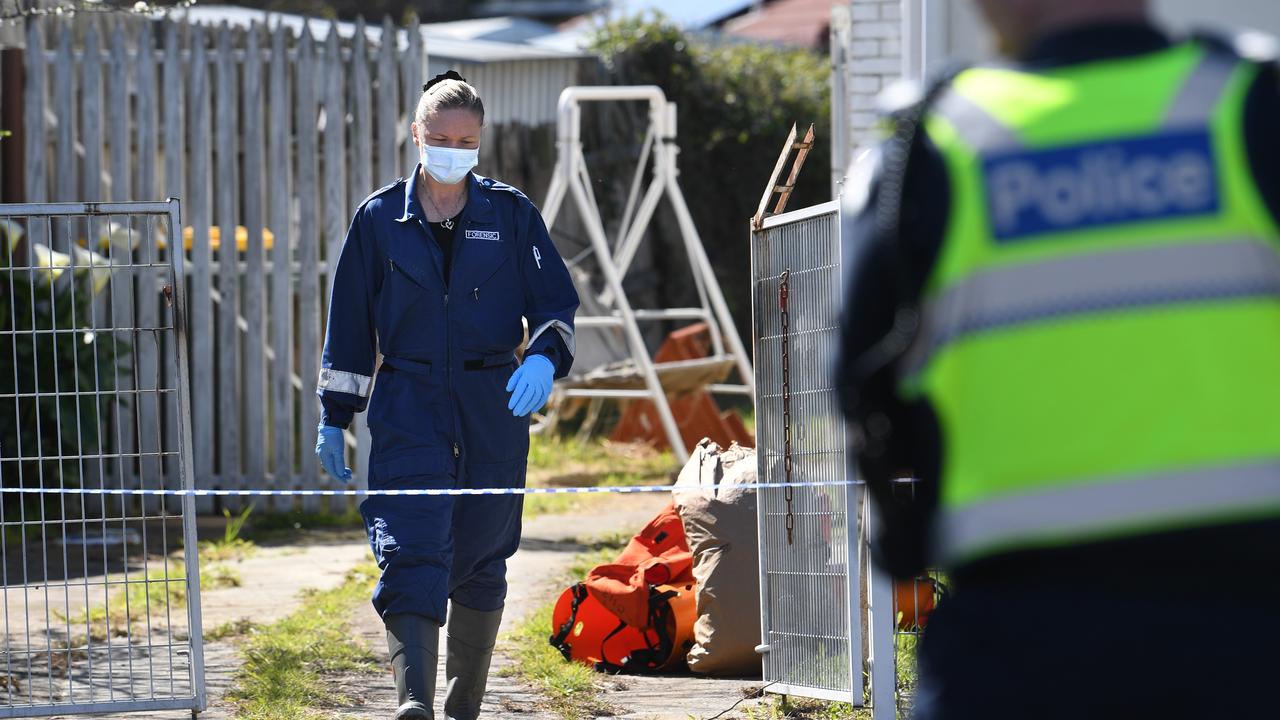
x=262, y=129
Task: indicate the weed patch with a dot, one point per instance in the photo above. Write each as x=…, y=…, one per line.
x=231, y=629
x=573, y=691
x=283, y=677
x=231, y=546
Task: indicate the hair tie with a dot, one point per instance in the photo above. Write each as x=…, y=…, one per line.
x=446, y=75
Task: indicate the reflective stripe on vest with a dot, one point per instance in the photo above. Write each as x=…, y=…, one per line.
x=1122, y=279
x=1096, y=334
x=1108, y=508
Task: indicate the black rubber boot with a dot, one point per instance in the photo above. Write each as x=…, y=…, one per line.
x=469, y=643
x=414, y=643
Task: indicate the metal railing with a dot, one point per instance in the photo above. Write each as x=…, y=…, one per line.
x=101, y=608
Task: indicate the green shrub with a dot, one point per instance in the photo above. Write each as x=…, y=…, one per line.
x=736, y=103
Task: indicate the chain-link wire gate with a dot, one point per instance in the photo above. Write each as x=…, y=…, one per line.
x=101, y=595
x=812, y=539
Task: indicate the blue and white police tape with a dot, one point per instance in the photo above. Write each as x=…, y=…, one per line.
x=201, y=492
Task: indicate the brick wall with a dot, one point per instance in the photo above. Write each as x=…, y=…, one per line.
x=866, y=48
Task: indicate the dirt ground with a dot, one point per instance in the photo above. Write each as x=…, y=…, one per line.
x=274, y=577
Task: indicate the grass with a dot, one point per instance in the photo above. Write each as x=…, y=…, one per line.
x=270, y=526
x=283, y=677
x=231, y=629
x=231, y=546
x=573, y=690
x=778, y=707
x=567, y=462
x=162, y=591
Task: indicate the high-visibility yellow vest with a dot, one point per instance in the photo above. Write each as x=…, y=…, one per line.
x=1100, y=335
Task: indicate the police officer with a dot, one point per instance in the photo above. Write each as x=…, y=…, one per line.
x=436, y=273
x=1063, y=319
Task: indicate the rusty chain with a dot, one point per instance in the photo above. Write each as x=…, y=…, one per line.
x=784, y=292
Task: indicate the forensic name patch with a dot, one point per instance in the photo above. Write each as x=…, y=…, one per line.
x=490, y=235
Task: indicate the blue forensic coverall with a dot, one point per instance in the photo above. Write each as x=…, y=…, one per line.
x=438, y=416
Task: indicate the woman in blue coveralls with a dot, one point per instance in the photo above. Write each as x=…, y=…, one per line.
x=436, y=273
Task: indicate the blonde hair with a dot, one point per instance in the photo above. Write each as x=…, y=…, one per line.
x=448, y=95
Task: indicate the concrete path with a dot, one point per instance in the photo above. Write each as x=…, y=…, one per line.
x=274, y=577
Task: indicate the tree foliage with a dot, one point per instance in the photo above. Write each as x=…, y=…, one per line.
x=736, y=103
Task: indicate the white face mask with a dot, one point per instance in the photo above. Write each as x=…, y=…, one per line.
x=449, y=165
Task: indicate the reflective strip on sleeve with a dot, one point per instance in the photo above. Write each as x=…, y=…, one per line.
x=1063, y=514
x=344, y=382
x=566, y=334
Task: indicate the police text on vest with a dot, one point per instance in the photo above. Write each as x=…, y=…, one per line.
x=1062, y=189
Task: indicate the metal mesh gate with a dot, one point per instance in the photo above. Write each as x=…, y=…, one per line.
x=101, y=591
x=812, y=632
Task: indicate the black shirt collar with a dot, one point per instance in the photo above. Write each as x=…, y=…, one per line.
x=1091, y=43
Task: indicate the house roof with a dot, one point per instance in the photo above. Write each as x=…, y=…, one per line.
x=443, y=45
x=791, y=22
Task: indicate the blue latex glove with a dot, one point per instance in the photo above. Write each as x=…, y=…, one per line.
x=530, y=385
x=330, y=448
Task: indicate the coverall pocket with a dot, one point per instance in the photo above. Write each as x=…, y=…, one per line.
x=493, y=435
x=414, y=470
x=405, y=296
x=407, y=414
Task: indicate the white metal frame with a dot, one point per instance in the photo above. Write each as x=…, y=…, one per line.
x=133, y=265
x=572, y=179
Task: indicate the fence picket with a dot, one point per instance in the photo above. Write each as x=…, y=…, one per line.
x=118, y=114
x=34, y=107
x=199, y=299
x=64, y=154
x=229, y=419
x=361, y=170
x=119, y=239
x=309, y=312
x=147, y=346
x=388, y=101
x=91, y=116
x=174, y=159
x=335, y=176
x=279, y=150
x=253, y=393
x=412, y=66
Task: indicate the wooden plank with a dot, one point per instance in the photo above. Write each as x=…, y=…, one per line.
x=118, y=114
x=173, y=100
x=91, y=116
x=200, y=330
x=146, y=93
x=173, y=81
x=37, y=189
x=147, y=345
x=64, y=153
x=225, y=181
x=309, y=304
x=362, y=184
x=412, y=69
x=388, y=105
x=279, y=150
x=120, y=252
x=361, y=171
x=335, y=183
x=253, y=392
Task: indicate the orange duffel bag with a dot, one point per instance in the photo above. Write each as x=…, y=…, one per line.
x=588, y=633
x=637, y=613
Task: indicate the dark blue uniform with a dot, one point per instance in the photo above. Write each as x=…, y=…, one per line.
x=438, y=416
